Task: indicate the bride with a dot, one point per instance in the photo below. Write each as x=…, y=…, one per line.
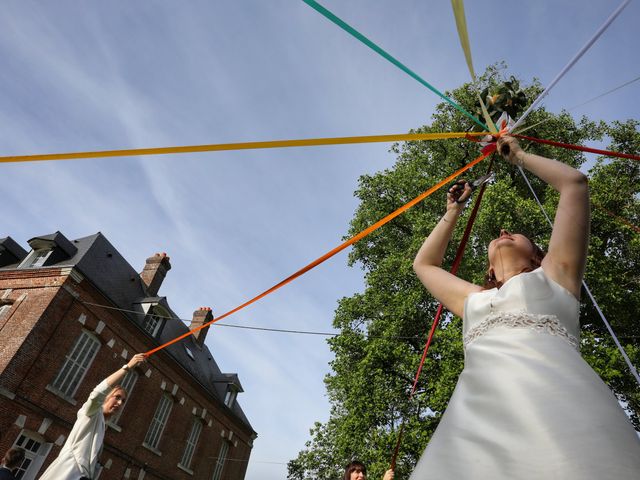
x=526, y=405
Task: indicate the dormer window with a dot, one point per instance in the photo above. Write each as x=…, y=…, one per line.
x=232, y=387
x=10, y=252
x=152, y=324
x=48, y=249
x=36, y=258
x=154, y=321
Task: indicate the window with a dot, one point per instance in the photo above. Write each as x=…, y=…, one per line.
x=230, y=396
x=159, y=422
x=31, y=447
x=192, y=441
x=153, y=322
x=4, y=309
x=36, y=258
x=76, y=364
x=127, y=383
x=222, y=456
x=35, y=452
x=189, y=352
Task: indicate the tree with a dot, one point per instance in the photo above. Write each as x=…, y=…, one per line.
x=383, y=329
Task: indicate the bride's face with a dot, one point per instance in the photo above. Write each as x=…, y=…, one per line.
x=515, y=244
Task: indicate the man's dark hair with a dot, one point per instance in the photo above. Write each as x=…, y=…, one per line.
x=13, y=458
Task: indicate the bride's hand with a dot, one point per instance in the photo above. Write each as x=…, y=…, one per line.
x=458, y=195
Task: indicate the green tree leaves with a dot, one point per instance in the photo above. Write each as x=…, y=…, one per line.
x=384, y=328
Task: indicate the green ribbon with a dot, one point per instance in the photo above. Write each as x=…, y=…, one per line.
x=352, y=31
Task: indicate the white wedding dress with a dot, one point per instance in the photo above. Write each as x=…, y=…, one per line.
x=526, y=405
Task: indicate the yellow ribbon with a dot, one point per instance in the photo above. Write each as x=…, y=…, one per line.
x=461, y=24
x=307, y=142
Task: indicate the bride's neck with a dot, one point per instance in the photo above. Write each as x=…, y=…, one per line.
x=508, y=270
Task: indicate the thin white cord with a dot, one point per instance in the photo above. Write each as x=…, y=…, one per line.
x=634, y=372
x=576, y=57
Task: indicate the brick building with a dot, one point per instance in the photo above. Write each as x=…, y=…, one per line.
x=59, y=340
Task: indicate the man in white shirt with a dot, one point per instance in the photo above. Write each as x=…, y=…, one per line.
x=79, y=455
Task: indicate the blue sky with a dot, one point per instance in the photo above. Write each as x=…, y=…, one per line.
x=105, y=75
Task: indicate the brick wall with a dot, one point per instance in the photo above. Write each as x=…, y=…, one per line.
x=39, y=331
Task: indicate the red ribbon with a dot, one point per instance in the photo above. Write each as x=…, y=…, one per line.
x=608, y=153
x=454, y=269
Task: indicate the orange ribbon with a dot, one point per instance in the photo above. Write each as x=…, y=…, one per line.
x=331, y=253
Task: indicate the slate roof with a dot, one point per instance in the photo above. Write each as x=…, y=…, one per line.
x=11, y=253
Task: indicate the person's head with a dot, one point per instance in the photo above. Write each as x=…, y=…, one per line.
x=355, y=471
x=511, y=251
x=114, y=401
x=13, y=458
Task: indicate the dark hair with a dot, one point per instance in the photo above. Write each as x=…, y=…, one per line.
x=13, y=458
x=352, y=467
x=490, y=280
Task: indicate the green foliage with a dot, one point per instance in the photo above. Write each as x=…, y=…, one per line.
x=383, y=329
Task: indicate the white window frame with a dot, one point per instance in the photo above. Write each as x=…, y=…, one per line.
x=152, y=324
x=192, y=443
x=35, y=452
x=36, y=258
x=230, y=396
x=222, y=457
x=159, y=421
x=155, y=319
x=128, y=382
x=189, y=352
x=76, y=364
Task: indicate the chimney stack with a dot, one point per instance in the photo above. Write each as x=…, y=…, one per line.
x=200, y=317
x=154, y=272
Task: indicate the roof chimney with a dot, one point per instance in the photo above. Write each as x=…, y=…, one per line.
x=154, y=272
x=200, y=317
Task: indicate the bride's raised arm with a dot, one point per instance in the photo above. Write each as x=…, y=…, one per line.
x=566, y=257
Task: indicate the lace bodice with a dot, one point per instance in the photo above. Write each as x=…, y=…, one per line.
x=529, y=300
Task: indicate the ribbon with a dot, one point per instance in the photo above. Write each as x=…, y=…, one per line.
x=352, y=31
x=239, y=146
x=329, y=254
x=607, y=153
